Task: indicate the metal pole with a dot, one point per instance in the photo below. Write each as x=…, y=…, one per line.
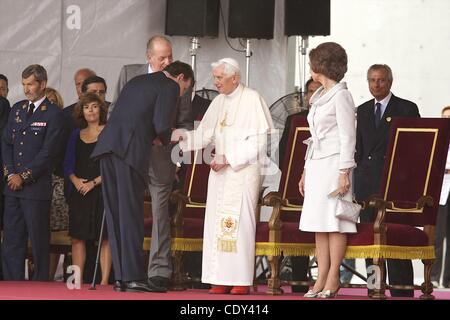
x=297, y=82
x=248, y=54
x=193, y=50
x=303, y=49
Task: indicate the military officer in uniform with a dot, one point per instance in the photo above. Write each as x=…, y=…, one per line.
x=30, y=142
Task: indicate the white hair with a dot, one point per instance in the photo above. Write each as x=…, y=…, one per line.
x=230, y=66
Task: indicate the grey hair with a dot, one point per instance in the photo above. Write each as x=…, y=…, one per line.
x=152, y=40
x=37, y=70
x=89, y=72
x=384, y=67
x=228, y=69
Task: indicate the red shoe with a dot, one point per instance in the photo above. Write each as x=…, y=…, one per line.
x=220, y=290
x=240, y=290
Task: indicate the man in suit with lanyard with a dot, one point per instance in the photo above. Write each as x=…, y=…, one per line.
x=373, y=122
x=31, y=140
x=162, y=170
x=144, y=111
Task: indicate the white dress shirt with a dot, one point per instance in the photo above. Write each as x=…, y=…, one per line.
x=383, y=103
x=446, y=183
x=36, y=103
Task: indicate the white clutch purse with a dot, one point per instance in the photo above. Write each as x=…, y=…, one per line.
x=346, y=210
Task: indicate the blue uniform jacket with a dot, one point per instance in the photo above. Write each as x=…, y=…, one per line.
x=29, y=148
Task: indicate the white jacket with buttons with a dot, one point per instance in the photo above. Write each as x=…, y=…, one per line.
x=332, y=126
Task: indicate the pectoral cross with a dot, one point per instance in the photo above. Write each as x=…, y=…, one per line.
x=223, y=123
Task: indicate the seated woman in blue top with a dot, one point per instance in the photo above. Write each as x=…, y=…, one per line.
x=85, y=194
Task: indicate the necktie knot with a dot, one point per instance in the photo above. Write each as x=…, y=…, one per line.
x=377, y=114
x=30, y=110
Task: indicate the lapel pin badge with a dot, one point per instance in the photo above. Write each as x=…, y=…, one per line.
x=388, y=119
x=43, y=108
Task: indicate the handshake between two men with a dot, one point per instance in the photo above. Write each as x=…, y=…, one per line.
x=218, y=162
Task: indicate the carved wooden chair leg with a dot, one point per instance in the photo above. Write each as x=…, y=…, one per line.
x=427, y=287
x=380, y=290
x=274, y=283
x=178, y=282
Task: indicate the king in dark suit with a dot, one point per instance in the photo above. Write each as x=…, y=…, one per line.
x=145, y=110
x=373, y=122
x=31, y=141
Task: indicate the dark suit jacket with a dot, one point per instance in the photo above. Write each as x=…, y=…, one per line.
x=4, y=113
x=30, y=147
x=68, y=114
x=145, y=109
x=184, y=117
x=371, y=143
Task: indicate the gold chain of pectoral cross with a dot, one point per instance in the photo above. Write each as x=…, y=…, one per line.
x=223, y=123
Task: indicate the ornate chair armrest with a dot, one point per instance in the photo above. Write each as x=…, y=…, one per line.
x=382, y=206
x=424, y=201
x=363, y=204
x=272, y=199
x=177, y=196
x=379, y=227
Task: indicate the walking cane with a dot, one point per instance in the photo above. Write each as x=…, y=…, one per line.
x=98, y=252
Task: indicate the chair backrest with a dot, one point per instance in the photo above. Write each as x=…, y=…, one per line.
x=294, y=160
x=414, y=167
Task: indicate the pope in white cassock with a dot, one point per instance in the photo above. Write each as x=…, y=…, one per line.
x=237, y=123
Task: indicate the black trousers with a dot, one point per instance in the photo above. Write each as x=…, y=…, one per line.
x=23, y=219
x=300, y=272
x=400, y=272
x=123, y=197
x=442, y=232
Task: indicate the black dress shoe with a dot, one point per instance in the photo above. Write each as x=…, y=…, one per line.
x=200, y=285
x=160, y=282
x=402, y=293
x=118, y=286
x=136, y=286
x=296, y=288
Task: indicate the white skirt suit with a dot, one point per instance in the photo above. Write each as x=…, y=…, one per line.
x=331, y=147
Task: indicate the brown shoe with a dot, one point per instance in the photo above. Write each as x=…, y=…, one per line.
x=240, y=290
x=220, y=290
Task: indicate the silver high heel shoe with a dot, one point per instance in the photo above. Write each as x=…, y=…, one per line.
x=328, y=294
x=311, y=294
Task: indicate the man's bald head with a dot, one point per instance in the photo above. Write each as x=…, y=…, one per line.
x=79, y=78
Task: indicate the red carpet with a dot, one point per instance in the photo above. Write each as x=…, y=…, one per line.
x=27, y=290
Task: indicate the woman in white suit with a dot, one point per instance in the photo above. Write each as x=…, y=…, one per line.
x=329, y=164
